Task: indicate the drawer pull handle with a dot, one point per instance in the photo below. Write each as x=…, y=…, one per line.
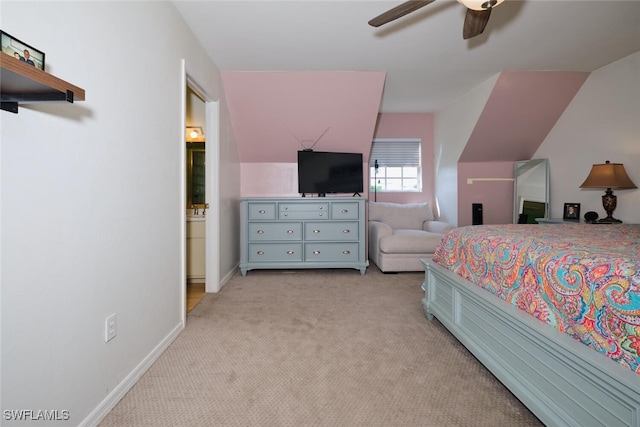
x=316, y=252
x=262, y=211
x=346, y=231
x=345, y=211
x=286, y=214
x=289, y=231
x=260, y=252
x=316, y=231
x=346, y=252
x=260, y=231
x=320, y=214
x=290, y=252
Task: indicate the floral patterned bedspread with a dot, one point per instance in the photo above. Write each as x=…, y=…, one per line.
x=582, y=279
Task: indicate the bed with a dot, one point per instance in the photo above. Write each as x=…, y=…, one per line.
x=553, y=311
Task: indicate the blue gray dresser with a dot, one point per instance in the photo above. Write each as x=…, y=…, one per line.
x=292, y=233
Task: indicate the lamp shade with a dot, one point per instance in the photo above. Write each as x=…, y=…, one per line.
x=608, y=175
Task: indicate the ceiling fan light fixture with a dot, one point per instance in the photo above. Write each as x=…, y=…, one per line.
x=480, y=4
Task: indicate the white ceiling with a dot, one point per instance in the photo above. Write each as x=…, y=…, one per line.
x=428, y=64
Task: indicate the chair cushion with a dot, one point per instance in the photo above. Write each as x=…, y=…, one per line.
x=398, y=215
x=410, y=242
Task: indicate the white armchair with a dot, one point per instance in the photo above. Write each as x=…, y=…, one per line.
x=402, y=234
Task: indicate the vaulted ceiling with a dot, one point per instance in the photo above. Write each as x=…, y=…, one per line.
x=543, y=50
x=427, y=63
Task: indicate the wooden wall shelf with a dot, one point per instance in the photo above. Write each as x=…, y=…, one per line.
x=21, y=83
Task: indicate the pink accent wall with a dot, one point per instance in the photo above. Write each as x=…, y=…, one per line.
x=410, y=125
x=522, y=109
x=269, y=179
x=496, y=196
x=272, y=111
x=276, y=114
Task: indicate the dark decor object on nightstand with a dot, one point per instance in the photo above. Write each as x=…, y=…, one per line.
x=609, y=176
x=591, y=216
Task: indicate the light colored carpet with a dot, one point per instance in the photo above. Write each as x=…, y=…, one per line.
x=317, y=348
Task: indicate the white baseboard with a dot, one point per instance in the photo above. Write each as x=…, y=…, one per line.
x=228, y=276
x=101, y=411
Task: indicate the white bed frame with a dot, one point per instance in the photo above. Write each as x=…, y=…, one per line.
x=562, y=381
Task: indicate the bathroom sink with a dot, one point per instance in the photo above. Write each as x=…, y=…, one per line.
x=195, y=217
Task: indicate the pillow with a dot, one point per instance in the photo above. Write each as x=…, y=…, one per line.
x=398, y=215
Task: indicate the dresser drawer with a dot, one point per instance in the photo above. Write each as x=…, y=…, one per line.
x=262, y=211
x=275, y=252
x=304, y=211
x=331, y=252
x=331, y=231
x=275, y=231
x=346, y=210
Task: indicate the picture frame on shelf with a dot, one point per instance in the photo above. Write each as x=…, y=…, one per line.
x=20, y=50
x=571, y=212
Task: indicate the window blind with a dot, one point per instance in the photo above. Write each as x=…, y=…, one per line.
x=396, y=152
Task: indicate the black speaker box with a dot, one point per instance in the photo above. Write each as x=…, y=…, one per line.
x=476, y=214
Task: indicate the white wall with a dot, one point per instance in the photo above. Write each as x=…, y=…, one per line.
x=601, y=123
x=452, y=128
x=229, y=191
x=91, y=208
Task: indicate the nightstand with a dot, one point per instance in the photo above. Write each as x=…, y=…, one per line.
x=559, y=221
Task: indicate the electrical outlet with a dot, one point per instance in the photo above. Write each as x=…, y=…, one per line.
x=110, y=328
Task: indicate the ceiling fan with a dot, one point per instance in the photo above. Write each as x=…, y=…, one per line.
x=478, y=13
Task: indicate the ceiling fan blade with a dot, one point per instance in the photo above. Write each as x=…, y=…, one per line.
x=474, y=22
x=398, y=12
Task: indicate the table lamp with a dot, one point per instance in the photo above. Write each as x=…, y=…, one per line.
x=608, y=175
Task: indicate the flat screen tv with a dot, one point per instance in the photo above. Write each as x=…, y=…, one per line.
x=321, y=172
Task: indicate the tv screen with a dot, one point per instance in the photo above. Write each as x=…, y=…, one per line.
x=329, y=172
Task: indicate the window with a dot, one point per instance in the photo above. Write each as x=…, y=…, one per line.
x=399, y=165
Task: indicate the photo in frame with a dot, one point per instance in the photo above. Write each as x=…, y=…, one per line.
x=22, y=51
x=571, y=212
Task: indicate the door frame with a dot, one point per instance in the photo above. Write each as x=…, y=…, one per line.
x=212, y=162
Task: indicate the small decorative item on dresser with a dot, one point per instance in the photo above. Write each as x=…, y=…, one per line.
x=571, y=212
x=22, y=51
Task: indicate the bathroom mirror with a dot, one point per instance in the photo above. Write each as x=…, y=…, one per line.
x=195, y=175
x=531, y=191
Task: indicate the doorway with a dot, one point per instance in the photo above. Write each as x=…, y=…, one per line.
x=196, y=202
x=200, y=109
x=195, y=293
